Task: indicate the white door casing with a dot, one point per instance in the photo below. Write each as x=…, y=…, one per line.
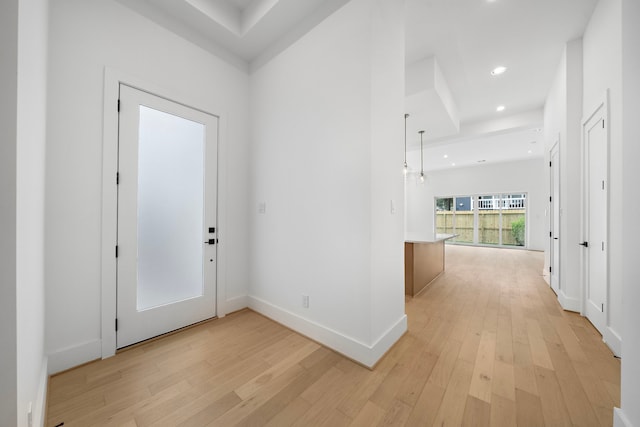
x=595, y=216
x=179, y=247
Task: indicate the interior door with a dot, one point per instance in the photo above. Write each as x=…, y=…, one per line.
x=167, y=193
x=554, y=258
x=595, y=232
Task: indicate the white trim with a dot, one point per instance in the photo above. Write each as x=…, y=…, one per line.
x=569, y=303
x=613, y=340
x=73, y=356
x=112, y=80
x=620, y=418
x=236, y=304
x=365, y=354
x=40, y=406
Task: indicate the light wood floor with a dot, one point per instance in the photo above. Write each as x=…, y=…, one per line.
x=487, y=345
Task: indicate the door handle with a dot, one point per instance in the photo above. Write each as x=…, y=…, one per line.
x=555, y=238
x=211, y=241
x=585, y=244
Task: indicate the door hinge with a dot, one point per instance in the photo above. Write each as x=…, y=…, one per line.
x=549, y=164
x=116, y=325
x=117, y=178
x=603, y=184
x=602, y=305
x=549, y=269
x=118, y=105
x=116, y=251
x=602, y=123
x=549, y=234
x=550, y=199
x=603, y=246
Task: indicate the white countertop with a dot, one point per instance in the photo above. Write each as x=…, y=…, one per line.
x=427, y=237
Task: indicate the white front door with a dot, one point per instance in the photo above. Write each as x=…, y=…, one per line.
x=167, y=194
x=595, y=220
x=554, y=235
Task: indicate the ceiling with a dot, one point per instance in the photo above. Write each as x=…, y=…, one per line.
x=467, y=38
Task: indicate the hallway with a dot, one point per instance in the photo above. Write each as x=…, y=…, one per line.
x=487, y=345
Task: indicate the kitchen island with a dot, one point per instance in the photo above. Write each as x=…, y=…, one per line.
x=423, y=260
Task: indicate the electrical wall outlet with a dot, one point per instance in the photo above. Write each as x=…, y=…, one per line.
x=305, y=301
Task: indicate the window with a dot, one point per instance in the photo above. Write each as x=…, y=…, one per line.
x=487, y=219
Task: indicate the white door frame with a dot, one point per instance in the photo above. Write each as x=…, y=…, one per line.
x=601, y=108
x=112, y=80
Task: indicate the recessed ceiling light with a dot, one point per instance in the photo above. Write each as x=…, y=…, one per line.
x=500, y=108
x=498, y=70
x=445, y=156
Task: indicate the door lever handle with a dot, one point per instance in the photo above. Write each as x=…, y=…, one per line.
x=585, y=244
x=211, y=241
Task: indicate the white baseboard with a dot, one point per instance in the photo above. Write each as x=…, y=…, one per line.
x=235, y=304
x=569, y=303
x=613, y=341
x=363, y=353
x=40, y=405
x=69, y=357
x=620, y=419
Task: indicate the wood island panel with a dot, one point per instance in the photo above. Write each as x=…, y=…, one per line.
x=423, y=262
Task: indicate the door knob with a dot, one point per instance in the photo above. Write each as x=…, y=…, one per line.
x=585, y=244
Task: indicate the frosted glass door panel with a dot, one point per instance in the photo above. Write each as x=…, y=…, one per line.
x=170, y=208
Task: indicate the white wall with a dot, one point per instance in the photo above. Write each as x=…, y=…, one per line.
x=8, y=151
x=323, y=114
x=523, y=176
x=631, y=176
x=602, y=71
x=32, y=102
x=563, y=123
x=84, y=38
x=23, y=49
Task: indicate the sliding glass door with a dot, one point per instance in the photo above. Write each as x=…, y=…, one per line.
x=487, y=219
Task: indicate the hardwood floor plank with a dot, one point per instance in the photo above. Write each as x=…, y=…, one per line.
x=482, y=379
x=503, y=412
x=397, y=415
x=454, y=400
x=290, y=413
x=210, y=412
x=554, y=409
x=528, y=410
x=477, y=413
x=538, y=346
x=504, y=383
x=426, y=408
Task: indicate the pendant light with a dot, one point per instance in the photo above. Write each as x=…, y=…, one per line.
x=421, y=158
x=406, y=168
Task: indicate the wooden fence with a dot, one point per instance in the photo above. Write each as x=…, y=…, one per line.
x=488, y=226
